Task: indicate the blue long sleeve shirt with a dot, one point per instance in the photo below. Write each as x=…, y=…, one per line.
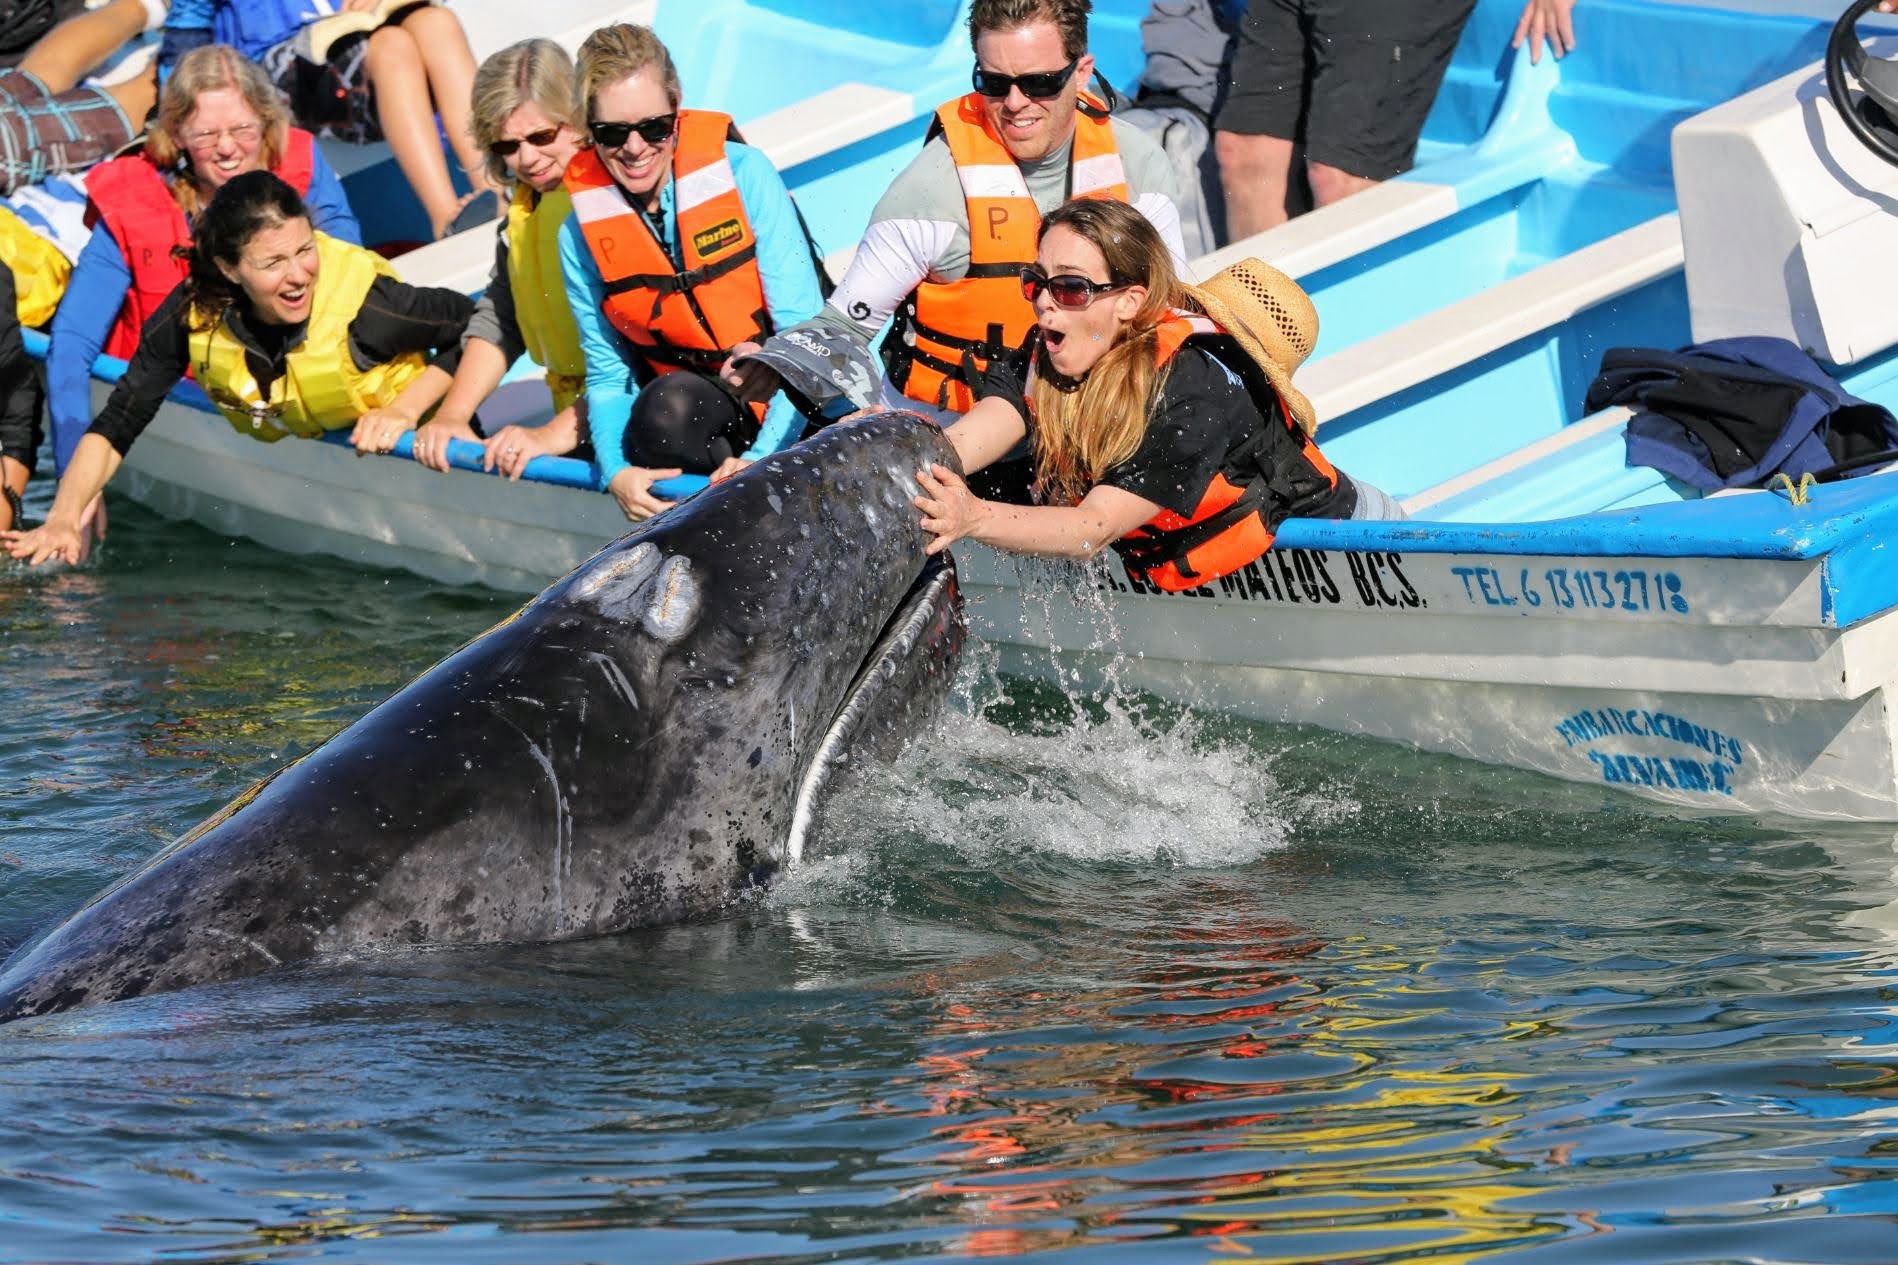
x=790, y=291
x=97, y=291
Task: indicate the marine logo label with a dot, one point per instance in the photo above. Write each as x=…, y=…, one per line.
x=708, y=242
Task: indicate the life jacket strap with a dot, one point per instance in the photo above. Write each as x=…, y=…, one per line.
x=665, y=283
x=1149, y=552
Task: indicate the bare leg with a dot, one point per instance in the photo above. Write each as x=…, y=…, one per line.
x=395, y=68
x=1255, y=172
x=1330, y=184
x=14, y=475
x=450, y=66
x=137, y=96
x=70, y=51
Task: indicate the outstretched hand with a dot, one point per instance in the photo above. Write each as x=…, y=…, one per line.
x=950, y=511
x=49, y=542
x=752, y=382
x=1554, y=21
x=379, y=428
x=632, y=488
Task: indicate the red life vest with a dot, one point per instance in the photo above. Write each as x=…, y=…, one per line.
x=946, y=332
x=131, y=198
x=1239, y=513
x=678, y=317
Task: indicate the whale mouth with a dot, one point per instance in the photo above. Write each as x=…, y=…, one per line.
x=905, y=675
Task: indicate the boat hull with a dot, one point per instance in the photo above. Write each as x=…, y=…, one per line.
x=1723, y=683
x=1775, y=715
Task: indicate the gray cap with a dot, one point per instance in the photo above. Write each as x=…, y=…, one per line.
x=820, y=365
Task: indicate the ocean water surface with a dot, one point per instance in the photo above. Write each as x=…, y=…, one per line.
x=1092, y=981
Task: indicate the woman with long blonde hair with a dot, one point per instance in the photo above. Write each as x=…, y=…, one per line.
x=528, y=120
x=1161, y=415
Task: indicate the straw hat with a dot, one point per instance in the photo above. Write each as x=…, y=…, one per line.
x=1271, y=316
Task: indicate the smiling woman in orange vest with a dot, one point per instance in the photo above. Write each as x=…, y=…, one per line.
x=289, y=331
x=1162, y=416
x=683, y=244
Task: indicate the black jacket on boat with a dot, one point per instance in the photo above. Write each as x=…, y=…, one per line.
x=1735, y=412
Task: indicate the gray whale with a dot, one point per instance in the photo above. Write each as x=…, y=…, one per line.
x=640, y=744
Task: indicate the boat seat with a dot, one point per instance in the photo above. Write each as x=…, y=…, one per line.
x=1581, y=469
x=1466, y=331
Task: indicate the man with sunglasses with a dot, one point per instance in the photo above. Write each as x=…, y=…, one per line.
x=947, y=242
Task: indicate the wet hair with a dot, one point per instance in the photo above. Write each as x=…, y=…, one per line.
x=534, y=72
x=621, y=51
x=1069, y=18
x=237, y=212
x=1084, y=431
x=205, y=70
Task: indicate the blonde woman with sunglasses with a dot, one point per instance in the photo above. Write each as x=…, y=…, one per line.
x=683, y=244
x=1160, y=423
x=529, y=123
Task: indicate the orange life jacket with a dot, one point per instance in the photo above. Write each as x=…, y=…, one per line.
x=678, y=317
x=130, y=197
x=1239, y=513
x=946, y=332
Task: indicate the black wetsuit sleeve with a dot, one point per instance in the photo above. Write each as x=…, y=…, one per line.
x=397, y=319
x=163, y=355
x=1203, y=413
x=20, y=395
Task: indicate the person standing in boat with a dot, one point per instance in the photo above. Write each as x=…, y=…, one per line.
x=218, y=117
x=946, y=242
x=33, y=276
x=288, y=330
x=1161, y=416
x=528, y=119
x=683, y=244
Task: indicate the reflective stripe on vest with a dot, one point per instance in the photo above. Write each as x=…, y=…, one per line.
x=1238, y=515
x=130, y=196
x=538, y=285
x=39, y=270
x=321, y=388
x=947, y=332
x=679, y=317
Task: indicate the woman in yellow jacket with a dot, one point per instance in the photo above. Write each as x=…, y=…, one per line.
x=32, y=278
x=290, y=332
x=528, y=120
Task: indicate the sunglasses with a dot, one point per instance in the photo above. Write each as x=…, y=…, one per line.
x=1066, y=289
x=653, y=131
x=539, y=140
x=1041, y=84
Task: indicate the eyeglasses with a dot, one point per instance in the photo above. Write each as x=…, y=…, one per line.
x=539, y=140
x=653, y=131
x=242, y=134
x=1066, y=289
x=1040, y=84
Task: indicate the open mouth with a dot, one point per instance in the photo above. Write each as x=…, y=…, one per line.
x=293, y=300
x=1052, y=338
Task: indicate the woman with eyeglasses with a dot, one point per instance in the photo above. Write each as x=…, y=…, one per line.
x=218, y=117
x=683, y=244
x=288, y=330
x=527, y=119
x=1175, y=438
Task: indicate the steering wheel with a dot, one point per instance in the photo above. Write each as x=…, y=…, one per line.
x=1870, y=116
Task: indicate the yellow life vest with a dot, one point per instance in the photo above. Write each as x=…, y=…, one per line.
x=540, y=290
x=39, y=270
x=321, y=388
